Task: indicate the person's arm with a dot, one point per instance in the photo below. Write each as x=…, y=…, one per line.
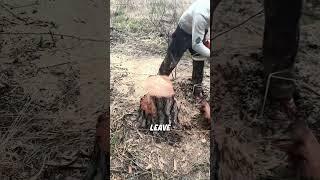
x=198, y=32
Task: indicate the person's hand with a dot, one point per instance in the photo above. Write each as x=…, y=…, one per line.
x=305, y=152
x=207, y=44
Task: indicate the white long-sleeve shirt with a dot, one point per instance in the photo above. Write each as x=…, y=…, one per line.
x=195, y=20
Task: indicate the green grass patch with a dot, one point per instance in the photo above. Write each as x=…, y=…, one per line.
x=131, y=24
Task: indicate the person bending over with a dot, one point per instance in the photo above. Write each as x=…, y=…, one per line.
x=193, y=34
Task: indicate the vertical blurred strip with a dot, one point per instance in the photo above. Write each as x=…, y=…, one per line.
x=214, y=151
x=95, y=96
x=108, y=87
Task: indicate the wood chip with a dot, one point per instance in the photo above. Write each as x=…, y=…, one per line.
x=129, y=169
x=149, y=166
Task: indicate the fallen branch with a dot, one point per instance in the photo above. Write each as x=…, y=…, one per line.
x=60, y=64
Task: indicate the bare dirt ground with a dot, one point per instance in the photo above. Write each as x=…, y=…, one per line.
x=135, y=55
x=251, y=147
x=48, y=116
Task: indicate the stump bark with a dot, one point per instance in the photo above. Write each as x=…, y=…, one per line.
x=158, y=110
x=159, y=105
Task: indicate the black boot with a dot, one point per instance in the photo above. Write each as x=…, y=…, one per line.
x=197, y=78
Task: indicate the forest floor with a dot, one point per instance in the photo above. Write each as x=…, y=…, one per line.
x=48, y=118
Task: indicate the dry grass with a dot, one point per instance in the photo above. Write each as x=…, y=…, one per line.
x=35, y=139
x=138, y=155
x=147, y=16
x=40, y=126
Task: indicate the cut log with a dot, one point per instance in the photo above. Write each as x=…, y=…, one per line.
x=158, y=106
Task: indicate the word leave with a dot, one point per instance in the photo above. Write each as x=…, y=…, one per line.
x=160, y=127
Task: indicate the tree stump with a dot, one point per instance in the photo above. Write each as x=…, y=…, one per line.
x=158, y=106
x=158, y=110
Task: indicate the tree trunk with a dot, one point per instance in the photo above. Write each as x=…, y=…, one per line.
x=158, y=110
x=158, y=106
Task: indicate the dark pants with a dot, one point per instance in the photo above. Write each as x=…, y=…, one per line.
x=280, y=43
x=181, y=42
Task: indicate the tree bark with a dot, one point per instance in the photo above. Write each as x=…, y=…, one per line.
x=158, y=110
x=158, y=106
